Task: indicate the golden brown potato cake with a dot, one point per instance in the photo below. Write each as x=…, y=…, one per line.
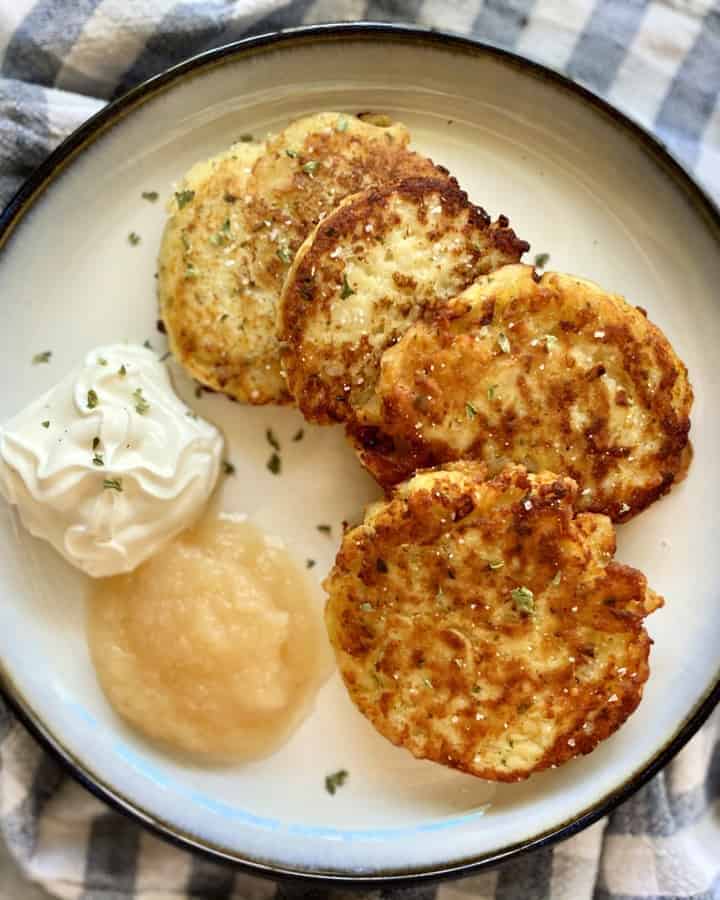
x=238, y=220
x=553, y=373
x=483, y=625
x=309, y=168
x=366, y=273
x=220, y=321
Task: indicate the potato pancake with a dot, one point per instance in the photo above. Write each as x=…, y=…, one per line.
x=236, y=223
x=220, y=321
x=483, y=625
x=311, y=167
x=367, y=272
x=552, y=373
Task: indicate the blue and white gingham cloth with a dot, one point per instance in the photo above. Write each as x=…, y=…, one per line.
x=658, y=60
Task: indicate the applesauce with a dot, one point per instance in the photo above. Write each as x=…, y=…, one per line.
x=214, y=647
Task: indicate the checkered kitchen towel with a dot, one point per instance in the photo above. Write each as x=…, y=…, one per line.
x=657, y=59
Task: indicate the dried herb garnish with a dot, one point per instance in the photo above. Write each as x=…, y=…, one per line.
x=346, y=291
x=271, y=439
x=141, y=404
x=336, y=780
x=183, y=198
x=524, y=599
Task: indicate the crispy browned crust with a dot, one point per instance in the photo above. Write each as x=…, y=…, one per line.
x=588, y=387
x=286, y=208
x=329, y=380
x=440, y=656
x=219, y=287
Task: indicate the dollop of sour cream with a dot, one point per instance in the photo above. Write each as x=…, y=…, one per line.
x=110, y=464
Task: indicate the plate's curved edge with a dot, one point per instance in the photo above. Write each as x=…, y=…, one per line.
x=110, y=115
x=117, y=109
x=397, y=878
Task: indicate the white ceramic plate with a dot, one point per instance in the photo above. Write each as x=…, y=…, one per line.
x=577, y=181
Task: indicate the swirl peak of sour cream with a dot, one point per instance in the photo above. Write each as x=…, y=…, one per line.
x=109, y=464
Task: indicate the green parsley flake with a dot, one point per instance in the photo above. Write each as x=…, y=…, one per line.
x=299, y=434
x=309, y=563
x=183, y=198
x=166, y=355
x=380, y=119
x=101, y=361
x=346, y=291
x=122, y=371
x=134, y=238
x=491, y=392
x=150, y=196
x=190, y=272
x=341, y=124
x=141, y=404
x=503, y=343
x=524, y=599
x=428, y=684
x=335, y=780
x=272, y=440
x=46, y=423
x=291, y=153
x=550, y=340
x=285, y=255
x=228, y=467
x=96, y=443
x=246, y=138
x=324, y=529
x=367, y=607
x=274, y=464
x=92, y=399
x=496, y=564
x=541, y=260
x=112, y=484
x=147, y=345
x=98, y=460
x=470, y=410
x=43, y=357
x=310, y=166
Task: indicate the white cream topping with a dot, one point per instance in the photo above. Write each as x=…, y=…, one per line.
x=164, y=460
